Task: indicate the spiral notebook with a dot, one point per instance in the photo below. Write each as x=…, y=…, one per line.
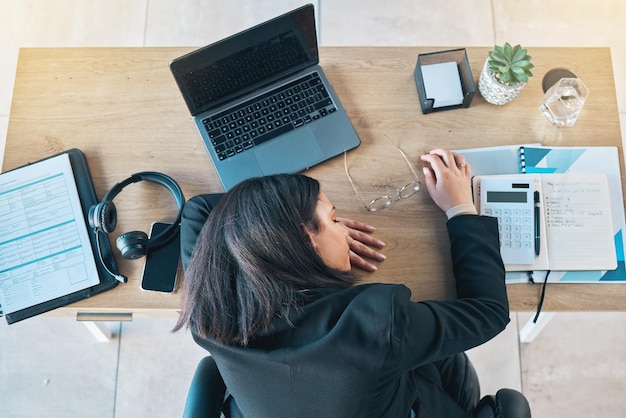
x=533, y=158
x=47, y=248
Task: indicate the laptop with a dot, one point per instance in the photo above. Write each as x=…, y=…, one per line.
x=261, y=101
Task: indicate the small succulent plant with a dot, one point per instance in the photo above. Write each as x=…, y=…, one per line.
x=510, y=64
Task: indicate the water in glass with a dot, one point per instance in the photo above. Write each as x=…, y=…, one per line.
x=563, y=102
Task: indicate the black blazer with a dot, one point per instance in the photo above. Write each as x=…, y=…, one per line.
x=362, y=352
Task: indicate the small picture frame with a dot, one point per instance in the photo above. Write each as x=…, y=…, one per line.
x=444, y=80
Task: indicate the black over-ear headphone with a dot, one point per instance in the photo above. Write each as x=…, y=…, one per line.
x=134, y=244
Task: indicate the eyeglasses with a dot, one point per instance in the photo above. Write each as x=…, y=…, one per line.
x=382, y=202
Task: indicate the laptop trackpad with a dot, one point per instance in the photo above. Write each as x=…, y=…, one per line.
x=289, y=154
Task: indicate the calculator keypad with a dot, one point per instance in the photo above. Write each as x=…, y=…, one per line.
x=516, y=234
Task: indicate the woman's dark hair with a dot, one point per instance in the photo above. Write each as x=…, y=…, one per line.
x=252, y=257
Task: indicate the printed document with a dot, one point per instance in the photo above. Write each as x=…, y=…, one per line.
x=45, y=252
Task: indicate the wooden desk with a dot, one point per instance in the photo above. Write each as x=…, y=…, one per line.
x=123, y=109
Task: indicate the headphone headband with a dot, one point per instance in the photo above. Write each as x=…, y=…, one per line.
x=159, y=178
x=134, y=244
x=151, y=176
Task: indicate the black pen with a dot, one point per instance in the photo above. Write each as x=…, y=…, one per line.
x=537, y=228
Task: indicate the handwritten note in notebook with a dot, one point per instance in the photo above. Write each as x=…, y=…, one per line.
x=576, y=228
x=577, y=213
x=45, y=247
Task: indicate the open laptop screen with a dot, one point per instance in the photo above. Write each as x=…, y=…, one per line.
x=247, y=61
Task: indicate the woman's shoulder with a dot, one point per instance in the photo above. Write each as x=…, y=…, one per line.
x=379, y=289
x=376, y=294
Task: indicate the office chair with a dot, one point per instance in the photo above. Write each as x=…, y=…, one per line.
x=208, y=398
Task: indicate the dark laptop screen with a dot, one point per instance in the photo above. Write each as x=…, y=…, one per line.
x=247, y=61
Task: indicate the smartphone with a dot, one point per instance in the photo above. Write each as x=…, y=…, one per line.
x=160, y=269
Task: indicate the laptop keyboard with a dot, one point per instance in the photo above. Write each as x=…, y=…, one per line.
x=263, y=118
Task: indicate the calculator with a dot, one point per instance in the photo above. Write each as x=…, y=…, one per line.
x=511, y=201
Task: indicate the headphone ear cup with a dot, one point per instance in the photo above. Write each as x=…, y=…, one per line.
x=132, y=244
x=103, y=216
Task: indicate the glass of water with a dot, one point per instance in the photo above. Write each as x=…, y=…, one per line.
x=563, y=101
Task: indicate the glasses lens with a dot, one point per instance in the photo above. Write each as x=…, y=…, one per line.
x=409, y=189
x=379, y=203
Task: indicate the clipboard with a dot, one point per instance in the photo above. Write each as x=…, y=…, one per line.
x=88, y=198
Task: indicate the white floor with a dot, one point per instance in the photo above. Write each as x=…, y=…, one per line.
x=53, y=367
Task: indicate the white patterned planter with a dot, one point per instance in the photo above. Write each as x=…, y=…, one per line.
x=495, y=92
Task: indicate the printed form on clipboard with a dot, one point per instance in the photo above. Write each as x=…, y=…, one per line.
x=575, y=230
x=44, y=241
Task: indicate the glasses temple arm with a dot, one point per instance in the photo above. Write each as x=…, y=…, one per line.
x=345, y=165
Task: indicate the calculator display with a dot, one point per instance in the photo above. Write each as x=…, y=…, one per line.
x=507, y=197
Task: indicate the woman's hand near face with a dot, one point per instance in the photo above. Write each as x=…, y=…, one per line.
x=448, y=178
x=363, y=246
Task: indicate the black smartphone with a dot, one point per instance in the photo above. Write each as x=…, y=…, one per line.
x=160, y=269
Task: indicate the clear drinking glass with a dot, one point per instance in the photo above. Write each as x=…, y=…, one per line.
x=563, y=101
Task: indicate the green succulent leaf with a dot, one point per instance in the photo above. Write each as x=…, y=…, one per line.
x=519, y=55
x=523, y=63
x=508, y=51
x=498, y=59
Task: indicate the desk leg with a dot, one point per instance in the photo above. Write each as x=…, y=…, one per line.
x=531, y=330
x=96, y=323
x=99, y=330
